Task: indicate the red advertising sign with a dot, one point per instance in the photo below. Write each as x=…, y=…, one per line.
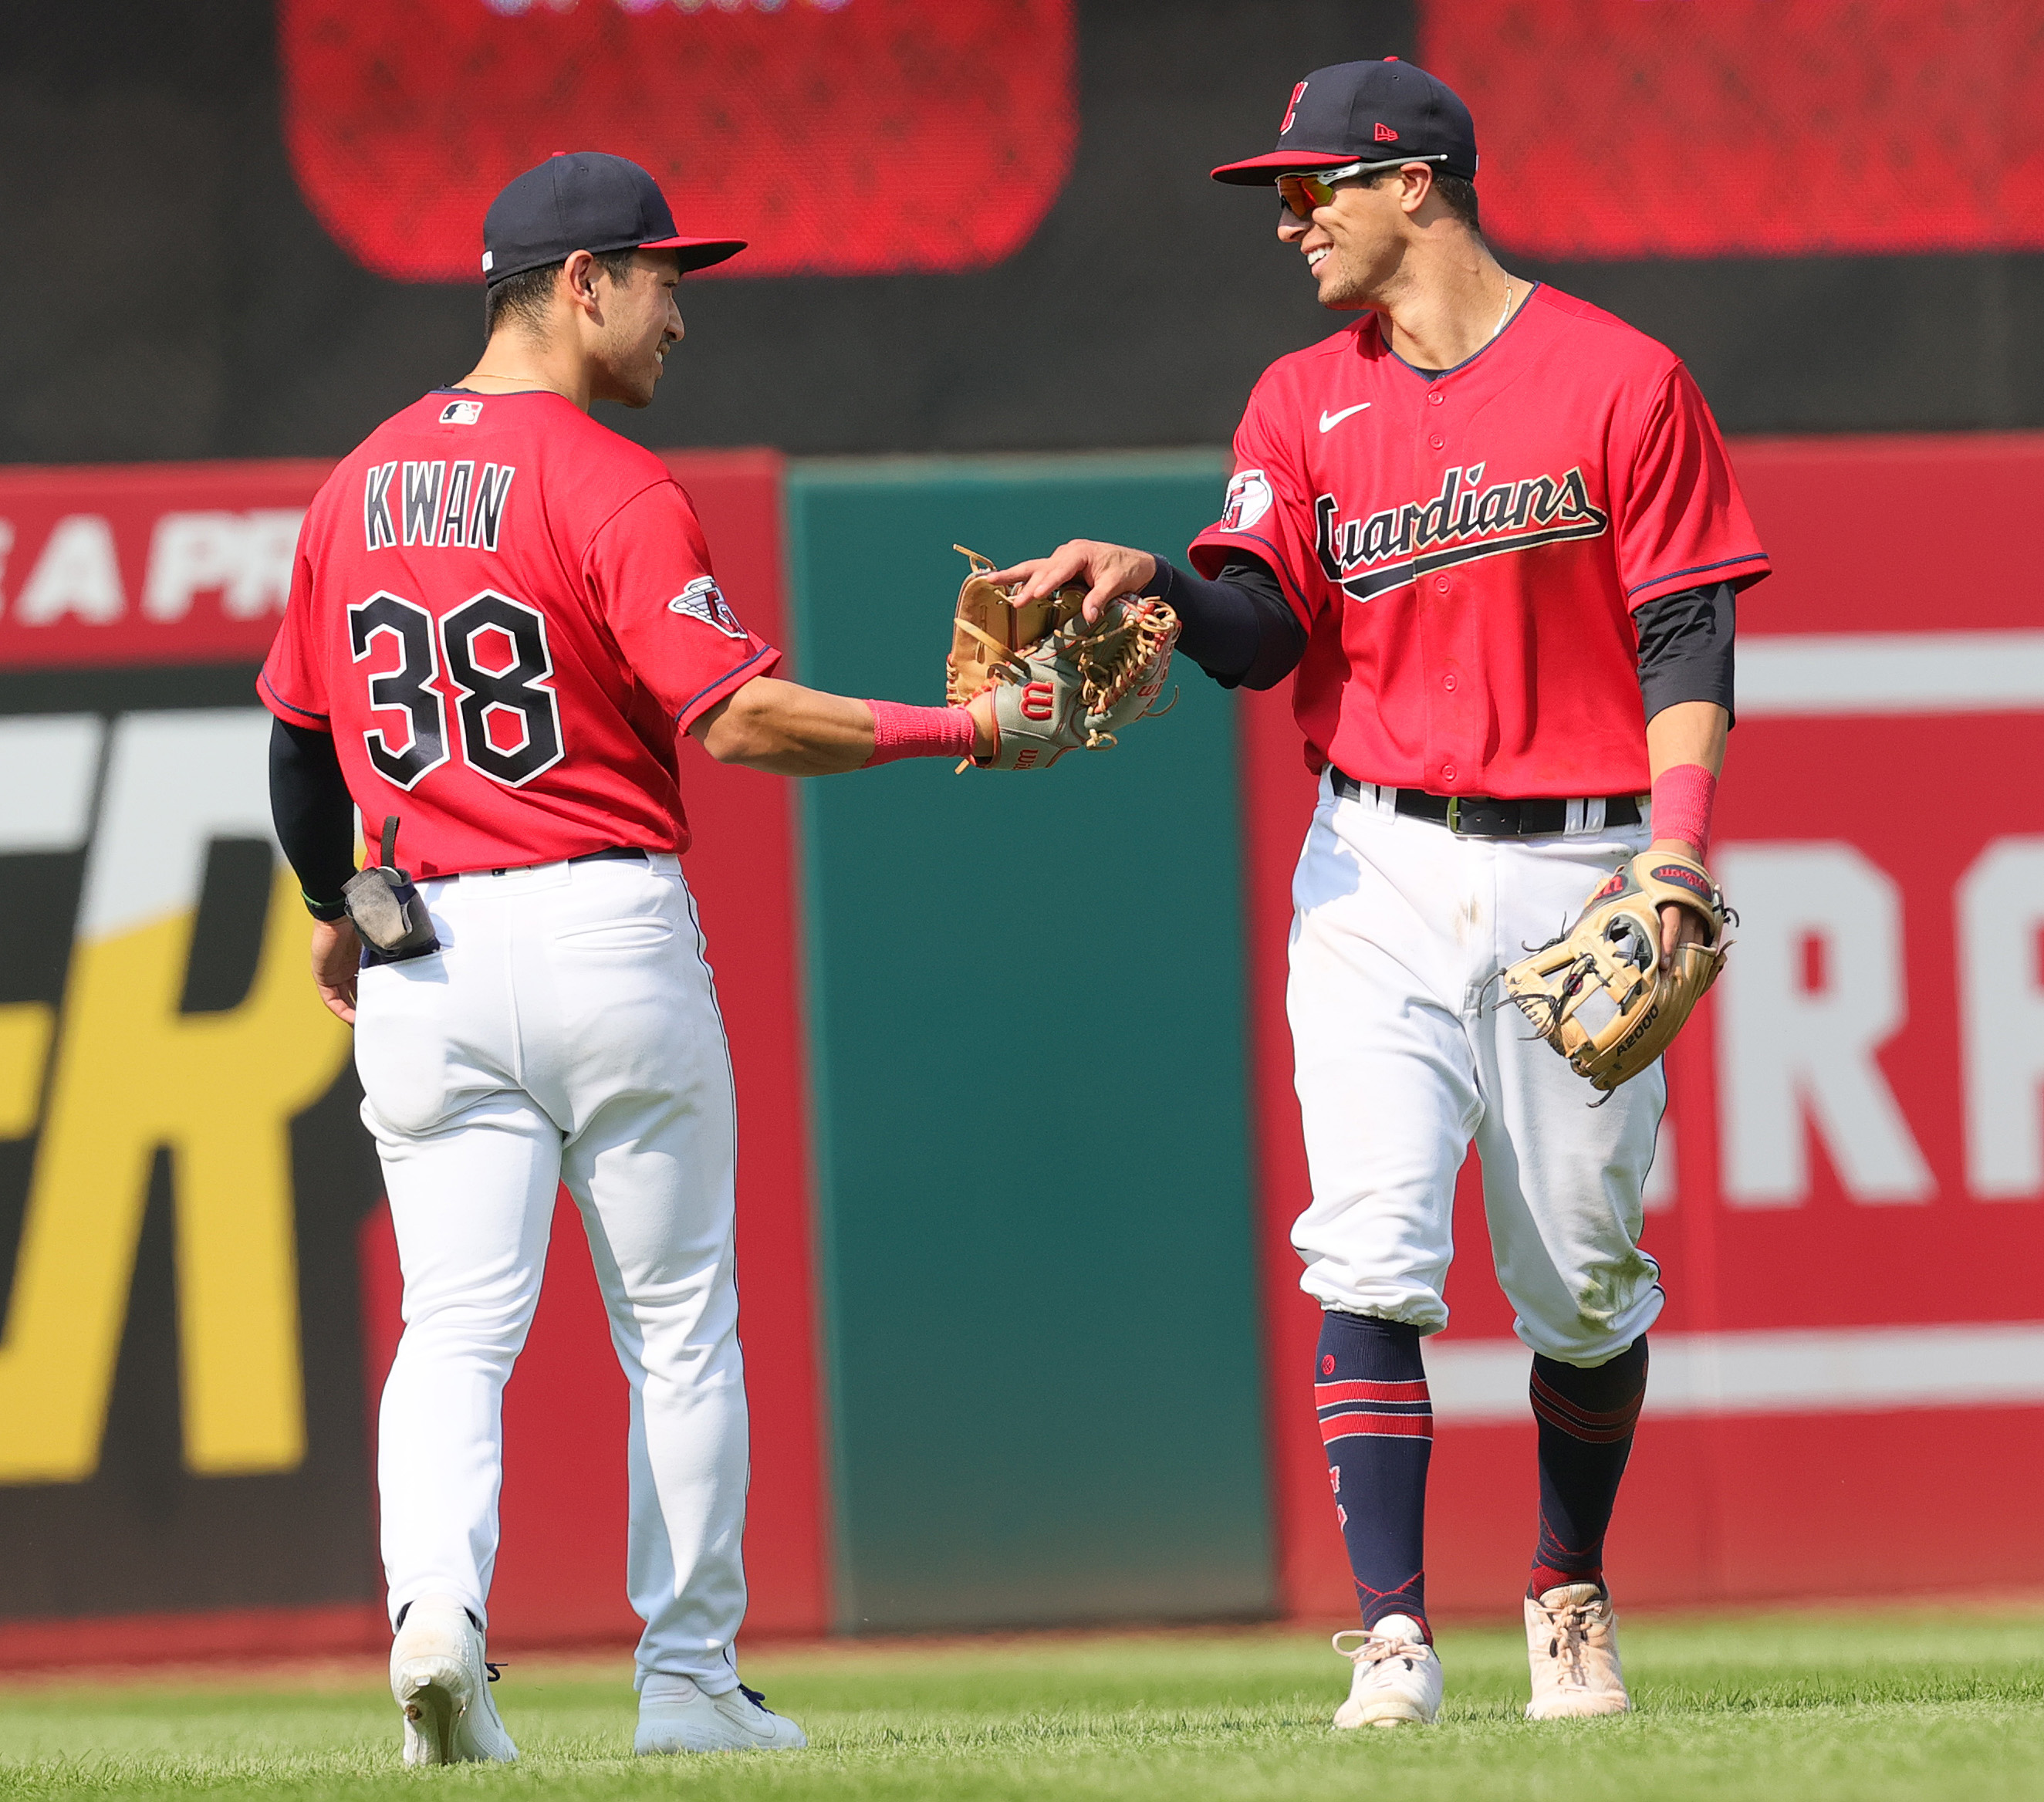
x=1848, y=1202
x=839, y=137
x=159, y=563
x=1623, y=128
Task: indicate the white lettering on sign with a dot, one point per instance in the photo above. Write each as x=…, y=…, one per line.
x=1790, y=1050
x=246, y=556
x=78, y=573
x=2000, y=910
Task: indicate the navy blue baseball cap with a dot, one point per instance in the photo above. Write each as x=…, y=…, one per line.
x=585, y=200
x=1388, y=112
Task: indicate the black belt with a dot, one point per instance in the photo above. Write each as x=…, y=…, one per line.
x=609, y=854
x=1479, y=816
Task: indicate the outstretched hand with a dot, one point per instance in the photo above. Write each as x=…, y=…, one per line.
x=1108, y=571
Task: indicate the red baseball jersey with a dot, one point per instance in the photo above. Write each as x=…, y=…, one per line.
x=1465, y=552
x=504, y=613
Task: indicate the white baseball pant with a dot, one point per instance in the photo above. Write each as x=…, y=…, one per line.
x=567, y=1031
x=1406, y=1050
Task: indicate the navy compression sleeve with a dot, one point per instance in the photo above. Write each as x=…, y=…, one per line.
x=313, y=811
x=1238, y=627
x=1685, y=648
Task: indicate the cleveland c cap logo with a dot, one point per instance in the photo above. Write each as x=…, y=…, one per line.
x=1291, y=108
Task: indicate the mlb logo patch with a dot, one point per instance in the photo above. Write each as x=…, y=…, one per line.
x=461, y=412
x=701, y=600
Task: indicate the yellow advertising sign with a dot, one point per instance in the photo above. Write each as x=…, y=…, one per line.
x=131, y=1073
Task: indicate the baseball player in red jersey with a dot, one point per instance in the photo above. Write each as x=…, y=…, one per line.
x=1492, y=533
x=501, y=616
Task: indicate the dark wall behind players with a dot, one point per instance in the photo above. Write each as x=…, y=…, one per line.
x=168, y=293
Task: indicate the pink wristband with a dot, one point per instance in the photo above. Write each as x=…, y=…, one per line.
x=1682, y=798
x=902, y=730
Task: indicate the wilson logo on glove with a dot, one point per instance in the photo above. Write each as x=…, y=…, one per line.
x=1687, y=874
x=1598, y=994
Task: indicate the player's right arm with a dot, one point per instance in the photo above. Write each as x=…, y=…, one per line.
x=1245, y=617
x=648, y=571
x=1237, y=627
x=790, y=730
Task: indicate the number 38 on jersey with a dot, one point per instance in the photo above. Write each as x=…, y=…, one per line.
x=490, y=654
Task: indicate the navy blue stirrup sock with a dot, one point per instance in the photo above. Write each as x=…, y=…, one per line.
x=1586, y=1419
x=1370, y=1388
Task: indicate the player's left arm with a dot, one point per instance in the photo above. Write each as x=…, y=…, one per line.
x=314, y=816
x=1686, y=548
x=1687, y=736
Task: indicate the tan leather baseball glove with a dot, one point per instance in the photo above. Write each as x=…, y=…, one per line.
x=1058, y=684
x=1598, y=994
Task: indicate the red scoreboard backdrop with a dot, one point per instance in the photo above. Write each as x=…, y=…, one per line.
x=1625, y=128
x=839, y=137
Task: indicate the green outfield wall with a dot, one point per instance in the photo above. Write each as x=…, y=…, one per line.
x=1025, y=1010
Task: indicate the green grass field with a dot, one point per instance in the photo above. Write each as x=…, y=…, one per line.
x=1804, y=1707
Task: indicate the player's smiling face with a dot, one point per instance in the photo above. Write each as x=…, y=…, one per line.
x=641, y=323
x=1354, y=244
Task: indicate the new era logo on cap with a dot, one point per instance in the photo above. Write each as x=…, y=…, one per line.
x=1383, y=133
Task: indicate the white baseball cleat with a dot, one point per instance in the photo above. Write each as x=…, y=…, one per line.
x=1572, y=1641
x=1397, y=1680
x=439, y=1679
x=680, y=1718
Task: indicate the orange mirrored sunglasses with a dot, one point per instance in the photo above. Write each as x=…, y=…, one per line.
x=1302, y=192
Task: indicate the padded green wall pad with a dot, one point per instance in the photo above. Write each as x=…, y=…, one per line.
x=1027, y=998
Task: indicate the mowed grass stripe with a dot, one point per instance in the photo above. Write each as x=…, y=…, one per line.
x=1912, y=1704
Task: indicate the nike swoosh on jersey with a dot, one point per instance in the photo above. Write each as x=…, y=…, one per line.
x=1330, y=420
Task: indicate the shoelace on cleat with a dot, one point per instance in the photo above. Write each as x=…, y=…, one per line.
x=1375, y=1649
x=1569, y=1645
x=756, y=1697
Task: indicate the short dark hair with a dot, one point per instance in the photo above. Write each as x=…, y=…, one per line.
x=526, y=296
x=1458, y=194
